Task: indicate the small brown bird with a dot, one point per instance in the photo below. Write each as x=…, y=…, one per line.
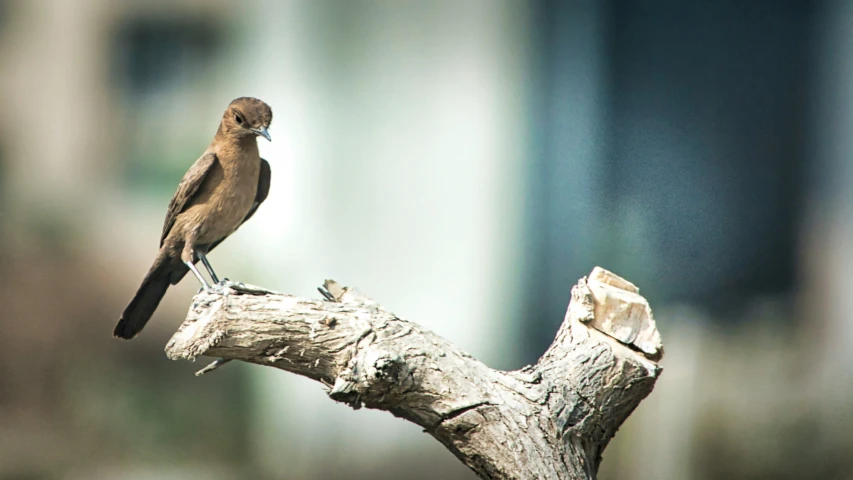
x=222, y=189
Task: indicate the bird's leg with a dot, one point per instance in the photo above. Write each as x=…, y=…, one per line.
x=203, y=257
x=204, y=284
x=189, y=255
x=217, y=283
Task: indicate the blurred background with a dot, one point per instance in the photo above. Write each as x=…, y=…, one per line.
x=462, y=162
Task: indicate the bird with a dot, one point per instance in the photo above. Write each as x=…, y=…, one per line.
x=219, y=192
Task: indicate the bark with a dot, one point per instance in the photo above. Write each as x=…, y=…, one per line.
x=551, y=420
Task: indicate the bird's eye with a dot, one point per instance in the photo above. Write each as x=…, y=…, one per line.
x=238, y=119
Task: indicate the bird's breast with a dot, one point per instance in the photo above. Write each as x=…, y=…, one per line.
x=230, y=201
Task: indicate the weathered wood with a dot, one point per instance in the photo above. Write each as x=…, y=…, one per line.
x=551, y=420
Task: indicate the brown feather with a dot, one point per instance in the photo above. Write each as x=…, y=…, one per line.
x=260, y=195
x=186, y=189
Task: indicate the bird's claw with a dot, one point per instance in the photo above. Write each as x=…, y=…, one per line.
x=215, y=289
x=232, y=284
x=221, y=287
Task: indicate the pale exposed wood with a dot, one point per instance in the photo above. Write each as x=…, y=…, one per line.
x=551, y=420
x=622, y=313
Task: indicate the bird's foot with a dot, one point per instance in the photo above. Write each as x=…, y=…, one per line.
x=232, y=284
x=215, y=289
x=227, y=287
x=219, y=288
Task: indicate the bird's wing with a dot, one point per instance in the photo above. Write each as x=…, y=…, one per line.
x=186, y=190
x=263, y=189
x=260, y=195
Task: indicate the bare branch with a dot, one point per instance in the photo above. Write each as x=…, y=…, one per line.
x=549, y=420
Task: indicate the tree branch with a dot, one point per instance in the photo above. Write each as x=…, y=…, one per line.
x=549, y=420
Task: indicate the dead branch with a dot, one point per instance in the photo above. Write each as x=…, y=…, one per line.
x=551, y=420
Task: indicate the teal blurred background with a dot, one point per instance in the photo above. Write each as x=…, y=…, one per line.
x=462, y=162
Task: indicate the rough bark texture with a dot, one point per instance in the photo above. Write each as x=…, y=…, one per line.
x=551, y=420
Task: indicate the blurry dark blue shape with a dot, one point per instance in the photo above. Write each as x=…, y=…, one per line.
x=690, y=179
x=152, y=54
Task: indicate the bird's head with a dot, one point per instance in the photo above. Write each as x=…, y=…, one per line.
x=245, y=117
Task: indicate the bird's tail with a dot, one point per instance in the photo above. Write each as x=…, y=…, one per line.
x=140, y=309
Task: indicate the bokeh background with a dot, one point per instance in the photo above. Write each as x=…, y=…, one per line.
x=462, y=162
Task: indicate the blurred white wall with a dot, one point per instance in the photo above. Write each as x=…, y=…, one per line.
x=398, y=163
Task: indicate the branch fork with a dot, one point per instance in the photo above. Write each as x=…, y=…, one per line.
x=549, y=420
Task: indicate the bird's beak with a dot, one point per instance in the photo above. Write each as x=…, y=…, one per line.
x=263, y=132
